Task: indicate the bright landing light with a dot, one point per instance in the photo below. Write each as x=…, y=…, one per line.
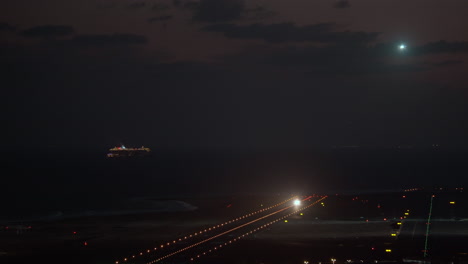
x=297, y=202
x=402, y=47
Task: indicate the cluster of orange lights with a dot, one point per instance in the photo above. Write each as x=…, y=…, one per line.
x=252, y=231
x=412, y=189
x=199, y=233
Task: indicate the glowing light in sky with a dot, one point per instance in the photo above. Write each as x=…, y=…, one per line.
x=297, y=202
x=402, y=47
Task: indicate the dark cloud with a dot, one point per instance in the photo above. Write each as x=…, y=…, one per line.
x=136, y=5
x=177, y=3
x=104, y=40
x=48, y=31
x=6, y=27
x=160, y=7
x=106, y=5
x=259, y=12
x=340, y=59
x=290, y=32
x=340, y=4
x=219, y=10
x=441, y=46
x=333, y=59
x=448, y=63
x=191, y=5
x=160, y=18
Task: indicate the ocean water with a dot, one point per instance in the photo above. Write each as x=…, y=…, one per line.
x=52, y=184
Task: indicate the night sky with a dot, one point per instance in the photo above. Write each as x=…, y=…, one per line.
x=234, y=74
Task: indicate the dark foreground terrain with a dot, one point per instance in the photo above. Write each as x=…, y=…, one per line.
x=361, y=228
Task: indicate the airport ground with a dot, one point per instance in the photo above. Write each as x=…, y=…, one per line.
x=359, y=228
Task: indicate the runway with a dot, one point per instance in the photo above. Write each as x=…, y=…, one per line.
x=194, y=246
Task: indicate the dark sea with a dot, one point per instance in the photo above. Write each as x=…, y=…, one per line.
x=44, y=184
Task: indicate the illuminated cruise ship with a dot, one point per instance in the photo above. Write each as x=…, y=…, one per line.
x=122, y=151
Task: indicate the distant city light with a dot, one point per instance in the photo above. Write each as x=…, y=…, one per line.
x=452, y=202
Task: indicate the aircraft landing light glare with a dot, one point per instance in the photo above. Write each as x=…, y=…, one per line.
x=402, y=47
x=297, y=202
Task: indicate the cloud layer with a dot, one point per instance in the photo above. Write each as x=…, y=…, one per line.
x=341, y=4
x=284, y=32
x=104, y=40
x=48, y=31
x=219, y=10
x=6, y=27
